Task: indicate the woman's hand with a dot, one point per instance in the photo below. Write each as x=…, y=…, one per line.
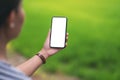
x=46, y=50
x=30, y=66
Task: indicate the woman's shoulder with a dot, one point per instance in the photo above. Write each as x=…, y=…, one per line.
x=8, y=72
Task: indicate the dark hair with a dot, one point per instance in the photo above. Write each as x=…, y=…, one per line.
x=6, y=6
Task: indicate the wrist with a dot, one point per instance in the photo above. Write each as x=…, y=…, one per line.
x=44, y=53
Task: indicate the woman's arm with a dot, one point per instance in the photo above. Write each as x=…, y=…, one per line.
x=30, y=66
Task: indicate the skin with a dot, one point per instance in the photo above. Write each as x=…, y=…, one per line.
x=11, y=30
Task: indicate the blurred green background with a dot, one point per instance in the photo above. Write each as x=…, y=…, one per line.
x=93, y=51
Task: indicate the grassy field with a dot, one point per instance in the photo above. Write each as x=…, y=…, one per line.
x=93, y=51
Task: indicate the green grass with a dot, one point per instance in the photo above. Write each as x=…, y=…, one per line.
x=93, y=51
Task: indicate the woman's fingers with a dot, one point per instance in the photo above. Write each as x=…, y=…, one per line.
x=67, y=34
x=67, y=37
x=66, y=44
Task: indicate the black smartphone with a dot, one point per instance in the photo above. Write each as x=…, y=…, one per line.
x=58, y=32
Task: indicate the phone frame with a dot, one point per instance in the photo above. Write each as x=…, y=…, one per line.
x=65, y=32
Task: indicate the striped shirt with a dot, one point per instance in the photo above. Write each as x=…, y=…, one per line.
x=8, y=72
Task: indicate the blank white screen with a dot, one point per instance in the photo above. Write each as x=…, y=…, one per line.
x=58, y=32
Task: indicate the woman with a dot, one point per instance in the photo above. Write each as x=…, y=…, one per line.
x=11, y=21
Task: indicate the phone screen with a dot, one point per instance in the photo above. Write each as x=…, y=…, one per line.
x=58, y=32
